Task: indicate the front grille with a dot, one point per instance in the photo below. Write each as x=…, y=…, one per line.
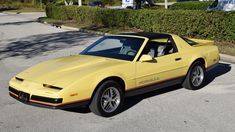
x=13, y=90
x=48, y=100
x=26, y=97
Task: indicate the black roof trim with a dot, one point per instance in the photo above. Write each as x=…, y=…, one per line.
x=148, y=35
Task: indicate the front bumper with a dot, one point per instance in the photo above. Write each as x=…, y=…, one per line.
x=53, y=103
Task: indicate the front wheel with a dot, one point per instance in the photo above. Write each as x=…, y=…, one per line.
x=108, y=99
x=196, y=76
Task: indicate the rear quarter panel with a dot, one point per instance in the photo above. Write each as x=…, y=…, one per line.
x=205, y=50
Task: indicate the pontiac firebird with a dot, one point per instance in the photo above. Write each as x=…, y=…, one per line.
x=115, y=67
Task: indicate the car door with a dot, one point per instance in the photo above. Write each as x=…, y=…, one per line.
x=162, y=68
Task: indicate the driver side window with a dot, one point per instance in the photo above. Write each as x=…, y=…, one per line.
x=157, y=48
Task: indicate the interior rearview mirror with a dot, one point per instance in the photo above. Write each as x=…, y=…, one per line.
x=145, y=58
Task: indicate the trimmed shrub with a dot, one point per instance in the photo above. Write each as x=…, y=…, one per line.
x=191, y=5
x=194, y=23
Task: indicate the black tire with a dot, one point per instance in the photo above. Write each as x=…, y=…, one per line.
x=188, y=81
x=95, y=105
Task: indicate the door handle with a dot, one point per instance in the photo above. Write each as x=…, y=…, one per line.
x=177, y=59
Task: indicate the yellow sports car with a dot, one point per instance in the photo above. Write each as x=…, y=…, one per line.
x=114, y=67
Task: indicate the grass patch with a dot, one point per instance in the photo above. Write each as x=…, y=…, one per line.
x=224, y=47
x=27, y=10
x=21, y=7
x=98, y=28
x=48, y=20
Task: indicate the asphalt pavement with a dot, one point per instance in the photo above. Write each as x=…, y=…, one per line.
x=24, y=42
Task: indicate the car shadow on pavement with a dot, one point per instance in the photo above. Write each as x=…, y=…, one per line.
x=82, y=110
x=38, y=44
x=220, y=69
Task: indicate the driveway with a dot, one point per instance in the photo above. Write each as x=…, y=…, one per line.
x=24, y=42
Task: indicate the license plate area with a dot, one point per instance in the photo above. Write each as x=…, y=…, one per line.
x=24, y=97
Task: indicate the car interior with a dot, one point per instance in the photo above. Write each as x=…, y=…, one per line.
x=128, y=48
x=156, y=49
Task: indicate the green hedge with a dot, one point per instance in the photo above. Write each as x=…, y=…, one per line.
x=193, y=23
x=191, y=5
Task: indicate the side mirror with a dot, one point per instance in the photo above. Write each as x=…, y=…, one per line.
x=145, y=58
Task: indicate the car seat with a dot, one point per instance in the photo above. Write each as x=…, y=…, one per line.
x=161, y=50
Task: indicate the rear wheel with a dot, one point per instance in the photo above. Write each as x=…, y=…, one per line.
x=108, y=99
x=196, y=76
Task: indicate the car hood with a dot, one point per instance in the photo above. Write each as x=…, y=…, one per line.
x=63, y=71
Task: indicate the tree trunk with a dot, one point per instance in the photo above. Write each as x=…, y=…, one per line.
x=166, y=6
x=70, y=2
x=79, y=2
x=33, y=2
x=65, y=2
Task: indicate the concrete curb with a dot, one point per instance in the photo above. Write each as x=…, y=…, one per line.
x=227, y=58
x=75, y=29
x=13, y=13
x=223, y=57
x=84, y=30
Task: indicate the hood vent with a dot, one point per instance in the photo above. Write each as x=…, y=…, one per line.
x=53, y=87
x=19, y=79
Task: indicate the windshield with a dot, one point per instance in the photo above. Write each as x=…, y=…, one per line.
x=118, y=47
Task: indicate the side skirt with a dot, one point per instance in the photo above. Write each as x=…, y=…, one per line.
x=153, y=87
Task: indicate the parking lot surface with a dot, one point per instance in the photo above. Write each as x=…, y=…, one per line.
x=24, y=42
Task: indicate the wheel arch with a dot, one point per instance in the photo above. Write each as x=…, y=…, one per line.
x=186, y=84
x=114, y=78
x=200, y=59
